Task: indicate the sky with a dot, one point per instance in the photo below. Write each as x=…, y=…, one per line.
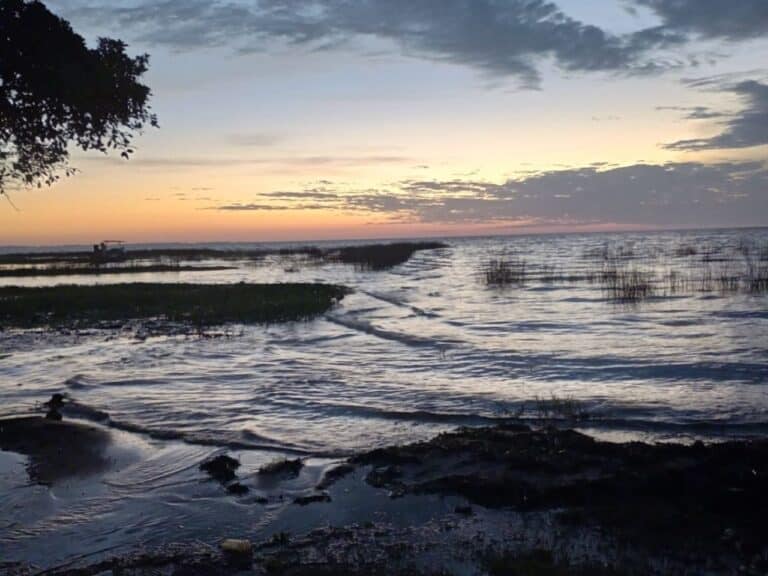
x=329, y=119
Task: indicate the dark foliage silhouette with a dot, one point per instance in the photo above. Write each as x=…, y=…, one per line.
x=56, y=92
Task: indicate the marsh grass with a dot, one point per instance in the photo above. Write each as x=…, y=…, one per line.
x=379, y=256
x=631, y=277
x=560, y=408
x=504, y=272
x=88, y=270
x=627, y=285
x=364, y=257
x=196, y=304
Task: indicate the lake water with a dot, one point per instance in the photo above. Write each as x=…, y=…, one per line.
x=414, y=350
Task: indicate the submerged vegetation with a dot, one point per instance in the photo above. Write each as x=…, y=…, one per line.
x=198, y=304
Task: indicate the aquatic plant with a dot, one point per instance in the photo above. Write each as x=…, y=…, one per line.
x=623, y=284
x=379, y=256
x=79, y=269
x=685, y=250
x=560, y=408
x=503, y=272
x=196, y=304
x=364, y=257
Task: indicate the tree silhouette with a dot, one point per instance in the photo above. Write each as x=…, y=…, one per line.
x=56, y=92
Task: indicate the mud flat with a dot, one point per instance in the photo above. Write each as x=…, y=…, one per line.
x=197, y=304
x=527, y=502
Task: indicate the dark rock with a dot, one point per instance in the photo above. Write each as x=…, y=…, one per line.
x=284, y=468
x=56, y=401
x=221, y=468
x=312, y=498
x=53, y=414
x=237, y=489
x=333, y=475
x=384, y=476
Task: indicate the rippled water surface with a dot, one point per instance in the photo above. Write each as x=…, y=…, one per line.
x=414, y=350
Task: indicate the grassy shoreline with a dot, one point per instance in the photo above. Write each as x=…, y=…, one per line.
x=365, y=256
x=196, y=304
x=101, y=270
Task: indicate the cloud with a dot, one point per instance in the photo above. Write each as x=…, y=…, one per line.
x=248, y=207
x=694, y=112
x=744, y=129
x=733, y=20
x=500, y=38
x=314, y=193
x=674, y=194
x=168, y=162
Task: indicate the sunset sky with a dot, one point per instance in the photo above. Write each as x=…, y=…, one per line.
x=288, y=119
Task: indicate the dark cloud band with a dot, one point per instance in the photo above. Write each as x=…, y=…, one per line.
x=506, y=38
x=674, y=194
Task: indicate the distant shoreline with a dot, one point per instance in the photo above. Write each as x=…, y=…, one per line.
x=335, y=242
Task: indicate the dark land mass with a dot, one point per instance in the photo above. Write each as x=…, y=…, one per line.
x=370, y=256
x=196, y=304
x=669, y=509
x=99, y=270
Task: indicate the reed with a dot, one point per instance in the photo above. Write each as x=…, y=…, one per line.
x=504, y=272
x=379, y=256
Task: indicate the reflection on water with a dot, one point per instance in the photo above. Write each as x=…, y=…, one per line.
x=419, y=348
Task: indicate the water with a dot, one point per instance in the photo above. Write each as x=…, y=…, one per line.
x=421, y=348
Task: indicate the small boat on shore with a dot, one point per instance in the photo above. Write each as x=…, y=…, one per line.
x=109, y=251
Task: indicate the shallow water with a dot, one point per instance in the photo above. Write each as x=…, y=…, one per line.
x=417, y=349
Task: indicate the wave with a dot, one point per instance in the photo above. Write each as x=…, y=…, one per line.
x=408, y=339
x=389, y=299
x=245, y=440
x=421, y=416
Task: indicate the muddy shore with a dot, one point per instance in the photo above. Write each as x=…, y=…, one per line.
x=528, y=501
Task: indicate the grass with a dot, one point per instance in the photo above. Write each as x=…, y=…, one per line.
x=560, y=408
x=364, y=257
x=198, y=304
x=628, y=285
x=634, y=273
x=503, y=272
x=71, y=270
x=379, y=256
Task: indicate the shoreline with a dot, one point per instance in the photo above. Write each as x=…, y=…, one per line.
x=622, y=508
